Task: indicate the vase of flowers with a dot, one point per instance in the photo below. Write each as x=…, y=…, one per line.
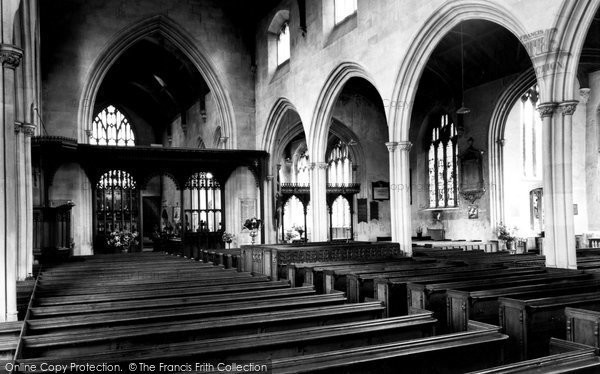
x=228, y=238
x=506, y=234
x=252, y=225
x=122, y=240
x=300, y=230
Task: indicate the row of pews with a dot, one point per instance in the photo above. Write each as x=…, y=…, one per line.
x=446, y=311
x=537, y=307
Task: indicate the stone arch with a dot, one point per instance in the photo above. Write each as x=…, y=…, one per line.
x=496, y=140
x=186, y=44
x=357, y=152
x=269, y=139
x=442, y=21
x=573, y=20
x=319, y=127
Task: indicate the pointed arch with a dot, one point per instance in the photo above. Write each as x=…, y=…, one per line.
x=496, y=142
x=572, y=24
x=269, y=140
x=179, y=38
x=319, y=127
x=442, y=21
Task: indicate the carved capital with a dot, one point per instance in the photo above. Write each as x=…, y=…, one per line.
x=89, y=133
x=547, y=109
x=10, y=55
x=270, y=178
x=404, y=146
x=28, y=129
x=391, y=146
x=317, y=165
x=567, y=108
x=584, y=95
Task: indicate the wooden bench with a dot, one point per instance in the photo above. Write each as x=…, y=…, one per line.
x=564, y=357
x=482, y=305
x=583, y=325
x=482, y=345
x=296, y=271
x=531, y=322
x=263, y=346
x=361, y=284
x=393, y=292
x=182, y=313
x=433, y=296
x=106, y=338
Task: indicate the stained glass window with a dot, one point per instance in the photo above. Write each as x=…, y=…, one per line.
x=111, y=127
x=442, y=164
x=283, y=44
x=116, y=202
x=204, y=212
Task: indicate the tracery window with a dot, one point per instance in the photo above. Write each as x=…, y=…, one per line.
x=531, y=127
x=302, y=170
x=116, y=202
x=204, y=207
x=283, y=44
x=339, y=165
x=442, y=164
x=343, y=9
x=111, y=127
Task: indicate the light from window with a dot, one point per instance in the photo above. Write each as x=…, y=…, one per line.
x=339, y=165
x=531, y=128
x=111, y=127
x=343, y=9
x=283, y=44
x=442, y=164
x=302, y=171
x=204, y=212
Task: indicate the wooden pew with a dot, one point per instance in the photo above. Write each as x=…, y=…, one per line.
x=393, y=292
x=183, y=313
x=482, y=305
x=482, y=344
x=564, y=357
x=167, y=290
x=531, y=322
x=361, y=284
x=179, y=301
x=106, y=338
x=583, y=325
x=261, y=346
x=433, y=296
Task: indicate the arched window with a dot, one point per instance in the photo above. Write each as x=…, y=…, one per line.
x=283, y=44
x=116, y=202
x=340, y=218
x=442, y=164
x=343, y=9
x=111, y=127
x=531, y=127
x=203, y=211
x=302, y=170
x=339, y=165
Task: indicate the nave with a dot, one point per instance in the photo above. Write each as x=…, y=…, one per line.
x=441, y=311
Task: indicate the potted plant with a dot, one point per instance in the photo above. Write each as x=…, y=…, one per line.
x=122, y=240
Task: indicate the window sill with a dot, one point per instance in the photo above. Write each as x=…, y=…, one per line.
x=344, y=27
x=281, y=71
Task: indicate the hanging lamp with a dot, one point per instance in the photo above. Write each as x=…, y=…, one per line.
x=463, y=109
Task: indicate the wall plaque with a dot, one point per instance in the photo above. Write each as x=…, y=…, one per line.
x=247, y=209
x=374, y=205
x=381, y=190
x=362, y=210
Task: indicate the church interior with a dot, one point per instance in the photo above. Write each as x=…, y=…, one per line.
x=299, y=186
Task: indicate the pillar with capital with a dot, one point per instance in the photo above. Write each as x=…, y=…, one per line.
x=400, y=209
x=559, y=240
x=10, y=57
x=318, y=201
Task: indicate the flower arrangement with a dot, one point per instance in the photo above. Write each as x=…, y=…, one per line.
x=504, y=233
x=253, y=224
x=122, y=240
x=227, y=238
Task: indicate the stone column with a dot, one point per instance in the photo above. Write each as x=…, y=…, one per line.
x=24, y=132
x=10, y=56
x=269, y=219
x=318, y=201
x=559, y=241
x=400, y=209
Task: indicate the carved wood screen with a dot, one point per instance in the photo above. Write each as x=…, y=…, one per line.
x=116, y=203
